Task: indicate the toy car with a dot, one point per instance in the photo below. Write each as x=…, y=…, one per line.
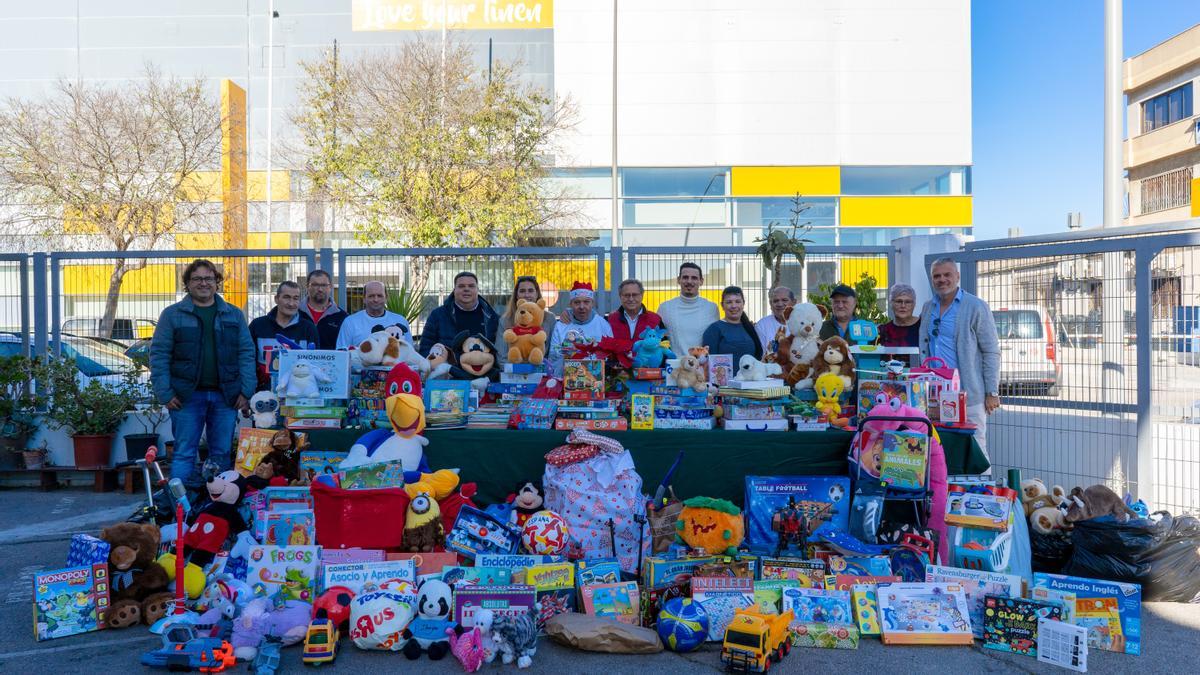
x=183, y=651
x=320, y=644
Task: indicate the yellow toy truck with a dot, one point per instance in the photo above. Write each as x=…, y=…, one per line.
x=754, y=641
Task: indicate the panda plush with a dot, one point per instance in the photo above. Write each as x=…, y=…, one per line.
x=427, y=632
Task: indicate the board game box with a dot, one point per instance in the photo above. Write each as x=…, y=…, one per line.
x=1011, y=624
x=1111, y=611
x=869, y=390
x=329, y=368
x=823, y=499
x=806, y=573
x=619, y=601
x=979, y=511
x=583, y=379
x=511, y=600
x=290, y=571
x=286, y=528
x=721, y=597
x=456, y=575
x=394, y=575
x=370, y=476
x=70, y=601
x=817, y=605
x=976, y=584
x=924, y=613
x=315, y=463
x=768, y=594
x=253, y=445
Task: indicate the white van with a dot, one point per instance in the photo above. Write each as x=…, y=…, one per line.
x=1028, y=350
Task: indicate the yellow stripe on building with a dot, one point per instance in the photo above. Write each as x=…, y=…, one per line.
x=785, y=181
x=1196, y=197
x=92, y=279
x=853, y=269
x=906, y=211
x=206, y=186
x=209, y=241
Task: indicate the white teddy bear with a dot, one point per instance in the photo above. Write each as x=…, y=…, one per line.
x=751, y=369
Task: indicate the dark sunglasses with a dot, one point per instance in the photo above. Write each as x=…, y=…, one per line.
x=934, y=332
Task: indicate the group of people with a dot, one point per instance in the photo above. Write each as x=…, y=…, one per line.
x=206, y=361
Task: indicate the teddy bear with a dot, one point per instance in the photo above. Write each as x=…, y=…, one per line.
x=803, y=322
x=751, y=369
x=833, y=356
x=427, y=632
x=526, y=339
x=648, y=350
x=280, y=466
x=138, y=584
x=689, y=374
x=1034, y=495
x=381, y=348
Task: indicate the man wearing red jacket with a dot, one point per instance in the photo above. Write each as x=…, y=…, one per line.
x=628, y=322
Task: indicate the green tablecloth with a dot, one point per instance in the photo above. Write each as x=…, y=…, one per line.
x=715, y=463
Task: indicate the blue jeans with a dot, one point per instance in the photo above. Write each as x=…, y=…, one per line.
x=207, y=412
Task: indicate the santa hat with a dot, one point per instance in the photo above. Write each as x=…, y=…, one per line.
x=582, y=289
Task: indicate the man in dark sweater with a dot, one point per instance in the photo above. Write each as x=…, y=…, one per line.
x=284, y=319
x=320, y=307
x=462, y=310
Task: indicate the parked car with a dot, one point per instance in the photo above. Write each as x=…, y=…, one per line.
x=124, y=330
x=139, y=350
x=1028, y=350
x=94, y=358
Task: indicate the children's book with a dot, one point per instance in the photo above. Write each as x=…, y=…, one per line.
x=979, y=511
x=458, y=577
x=393, y=575
x=641, y=412
x=1011, y=624
x=447, y=397
x=253, y=445
x=904, y=457
x=511, y=600
x=720, y=369
x=315, y=463
x=817, y=605
x=807, y=573
x=327, y=369
x=618, y=601
x=583, y=379
x=721, y=597
x=924, y=613
x=288, y=528
x=288, y=498
x=823, y=500
x=370, y=476
x=1062, y=644
x=768, y=594
x=1111, y=611
x=290, y=571
x=598, y=571
x=976, y=584
x=70, y=601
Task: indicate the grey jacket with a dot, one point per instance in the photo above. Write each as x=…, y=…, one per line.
x=976, y=344
x=176, y=348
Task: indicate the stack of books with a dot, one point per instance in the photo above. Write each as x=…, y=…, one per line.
x=447, y=403
x=367, y=399
x=326, y=376
x=517, y=382
x=314, y=413
x=491, y=415
x=583, y=405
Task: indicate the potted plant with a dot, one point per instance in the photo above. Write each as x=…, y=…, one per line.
x=91, y=413
x=148, y=412
x=35, y=458
x=20, y=401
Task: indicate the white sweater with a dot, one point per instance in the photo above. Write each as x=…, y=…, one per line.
x=592, y=331
x=686, y=319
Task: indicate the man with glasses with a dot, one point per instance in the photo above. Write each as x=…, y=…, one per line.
x=320, y=307
x=768, y=327
x=958, y=328
x=632, y=318
x=202, y=369
x=843, y=301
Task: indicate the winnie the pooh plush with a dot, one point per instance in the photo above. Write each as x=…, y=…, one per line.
x=526, y=339
x=138, y=583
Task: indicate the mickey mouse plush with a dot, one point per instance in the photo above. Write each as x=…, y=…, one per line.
x=474, y=359
x=218, y=520
x=527, y=501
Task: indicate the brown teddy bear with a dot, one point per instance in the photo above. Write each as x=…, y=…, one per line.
x=138, y=583
x=833, y=356
x=526, y=339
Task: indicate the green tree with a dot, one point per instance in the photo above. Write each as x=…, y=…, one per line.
x=422, y=148
x=776, y=244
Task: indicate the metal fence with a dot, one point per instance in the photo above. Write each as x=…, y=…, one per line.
x=1100, y=353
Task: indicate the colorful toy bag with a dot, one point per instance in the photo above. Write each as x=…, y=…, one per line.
x=590, y=492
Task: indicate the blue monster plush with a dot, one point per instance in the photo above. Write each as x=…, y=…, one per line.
x=648, y=351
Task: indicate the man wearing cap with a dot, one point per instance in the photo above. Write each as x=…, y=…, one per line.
x=463, y=310
x=844, y=301
x=584, y=325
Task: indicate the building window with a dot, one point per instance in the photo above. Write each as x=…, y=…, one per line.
x=906, y=180
x=1167, y=108
x=761, y=211
x=691, y=182
x=1166, y=191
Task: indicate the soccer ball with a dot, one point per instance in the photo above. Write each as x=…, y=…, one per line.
x=545, y=533
x=682, y=624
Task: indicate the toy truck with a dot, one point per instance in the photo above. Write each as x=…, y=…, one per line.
x=320, y=644
x=754, y=641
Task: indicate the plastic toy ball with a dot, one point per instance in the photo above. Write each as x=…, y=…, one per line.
x=682, y=625
x=545, y=533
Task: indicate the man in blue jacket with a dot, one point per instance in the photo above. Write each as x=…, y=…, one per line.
x=202, y=369
x=462, y=310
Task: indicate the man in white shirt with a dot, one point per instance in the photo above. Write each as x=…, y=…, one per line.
x=688, y=315
x=374, y=316
x=767, y=327
x=584, y=325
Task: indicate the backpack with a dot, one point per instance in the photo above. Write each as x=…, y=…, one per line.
x=590, y=487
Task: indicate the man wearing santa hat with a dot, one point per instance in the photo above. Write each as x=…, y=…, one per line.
x=584, y=325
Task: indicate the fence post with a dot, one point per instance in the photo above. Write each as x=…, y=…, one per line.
x=631, y=263
x=325, y=261
x=40, y=294
x=601, y=281
x=1142, y=285
x=967, y=276
x=341, y=280
x=55, y=304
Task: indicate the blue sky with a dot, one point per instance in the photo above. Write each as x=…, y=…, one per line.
x=1038, y=116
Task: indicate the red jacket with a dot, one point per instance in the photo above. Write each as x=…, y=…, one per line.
x=620, y=327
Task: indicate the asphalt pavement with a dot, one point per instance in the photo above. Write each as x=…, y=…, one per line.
x=38, y=526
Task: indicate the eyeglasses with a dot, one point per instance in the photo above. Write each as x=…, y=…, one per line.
x=204, y=280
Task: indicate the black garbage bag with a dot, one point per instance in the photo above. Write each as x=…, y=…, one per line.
x=1050, y=552
x=1162, y=553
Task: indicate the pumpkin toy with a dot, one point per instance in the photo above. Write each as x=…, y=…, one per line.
x=714, y=526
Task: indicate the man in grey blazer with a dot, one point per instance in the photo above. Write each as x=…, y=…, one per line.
x=959, y=328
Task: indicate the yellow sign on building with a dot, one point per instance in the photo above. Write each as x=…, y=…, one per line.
x=376, y=15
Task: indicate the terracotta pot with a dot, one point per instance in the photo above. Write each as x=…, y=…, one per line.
x=34, y=459
x=92, y=450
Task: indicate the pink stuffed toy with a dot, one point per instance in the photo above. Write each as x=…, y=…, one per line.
x=867, y=451
x=467, y=648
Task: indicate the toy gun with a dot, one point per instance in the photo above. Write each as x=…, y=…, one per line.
x=660, y=494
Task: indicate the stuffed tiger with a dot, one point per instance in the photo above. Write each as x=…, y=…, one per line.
x=516, y=637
